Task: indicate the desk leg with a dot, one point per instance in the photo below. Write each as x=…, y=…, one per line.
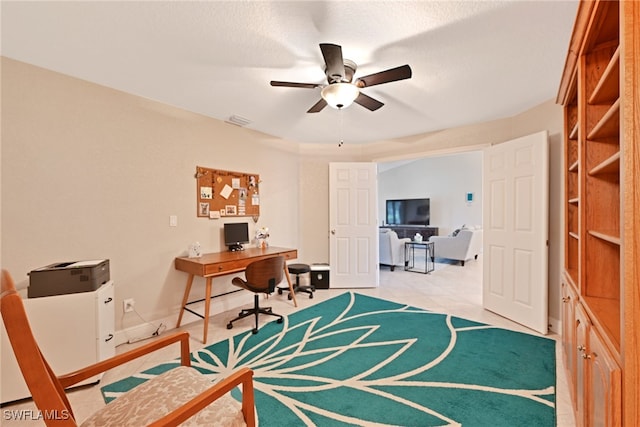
x=185, y=298
x=207, y=304
x=293, y=294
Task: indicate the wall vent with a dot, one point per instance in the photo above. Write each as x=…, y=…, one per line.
x=238, y=120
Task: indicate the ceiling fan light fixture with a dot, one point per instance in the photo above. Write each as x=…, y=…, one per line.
x=340, y=95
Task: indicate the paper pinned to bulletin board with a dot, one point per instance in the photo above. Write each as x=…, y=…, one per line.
x=223, y=193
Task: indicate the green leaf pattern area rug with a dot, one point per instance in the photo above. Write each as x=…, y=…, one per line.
x=359, y=360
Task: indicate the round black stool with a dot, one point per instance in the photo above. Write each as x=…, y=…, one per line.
x=298, y=269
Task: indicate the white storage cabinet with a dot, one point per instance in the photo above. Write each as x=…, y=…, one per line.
x=72, y=330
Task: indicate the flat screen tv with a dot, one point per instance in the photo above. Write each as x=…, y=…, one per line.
x=235, y=234
x=408, y=212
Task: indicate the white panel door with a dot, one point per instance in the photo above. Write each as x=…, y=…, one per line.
x=515, y=216
x=353, y=219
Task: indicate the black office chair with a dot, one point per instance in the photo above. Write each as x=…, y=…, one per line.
x=262, y=277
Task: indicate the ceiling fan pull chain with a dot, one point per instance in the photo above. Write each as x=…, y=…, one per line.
x=340, y=113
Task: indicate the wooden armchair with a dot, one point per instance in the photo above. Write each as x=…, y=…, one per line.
x=179, y=396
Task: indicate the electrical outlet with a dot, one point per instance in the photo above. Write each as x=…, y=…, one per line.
x=128, y=304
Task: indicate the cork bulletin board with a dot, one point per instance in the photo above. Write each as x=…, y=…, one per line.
x=223, y=193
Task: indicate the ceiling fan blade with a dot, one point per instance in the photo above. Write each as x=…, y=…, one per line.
x=332, y=54
x=387, y=76
x=293, y=84
x=318, y=106
x=368, y=102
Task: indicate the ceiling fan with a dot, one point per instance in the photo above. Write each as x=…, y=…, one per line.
x=341, y=90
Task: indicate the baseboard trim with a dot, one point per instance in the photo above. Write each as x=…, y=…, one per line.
x=147, y=330
x=555, y=325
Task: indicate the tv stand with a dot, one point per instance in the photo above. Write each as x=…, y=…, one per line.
x=236, y=247
x=410, y=230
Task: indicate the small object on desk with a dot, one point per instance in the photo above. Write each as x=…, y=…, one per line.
x=417, y=237
x=194, y=250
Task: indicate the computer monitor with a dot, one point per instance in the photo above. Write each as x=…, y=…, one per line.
x=235, y=234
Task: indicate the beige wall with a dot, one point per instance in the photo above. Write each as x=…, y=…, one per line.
x=89, y=172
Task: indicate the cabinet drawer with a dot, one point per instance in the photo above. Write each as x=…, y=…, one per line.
x=105, y=324
x=224, y=267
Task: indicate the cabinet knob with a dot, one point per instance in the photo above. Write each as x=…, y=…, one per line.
x=581, y=348
x=566, y=299
x=586, y=356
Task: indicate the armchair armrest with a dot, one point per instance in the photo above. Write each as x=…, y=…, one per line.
x=243, y=376
x=445, y=244
x=104, y=365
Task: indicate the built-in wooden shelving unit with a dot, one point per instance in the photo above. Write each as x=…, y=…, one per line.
x=601, y=293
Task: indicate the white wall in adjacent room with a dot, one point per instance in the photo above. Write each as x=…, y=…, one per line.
x=445, y=180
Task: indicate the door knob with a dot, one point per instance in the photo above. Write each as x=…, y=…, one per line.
x=333, y=231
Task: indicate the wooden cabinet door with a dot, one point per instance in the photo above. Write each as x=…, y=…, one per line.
x=582, y=328
x=569, y=344
x=598, y=379
x=605, y=385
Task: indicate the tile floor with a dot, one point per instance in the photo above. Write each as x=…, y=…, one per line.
x=450, y=289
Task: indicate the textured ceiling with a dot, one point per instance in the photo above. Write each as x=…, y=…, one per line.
x=472, y=61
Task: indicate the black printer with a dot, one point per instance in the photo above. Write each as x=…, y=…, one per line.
x=68, y=278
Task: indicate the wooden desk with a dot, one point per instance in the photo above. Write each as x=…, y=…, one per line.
x=223, y=263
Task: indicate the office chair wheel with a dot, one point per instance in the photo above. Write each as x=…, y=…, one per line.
x=311, y=296
x=229, y=325
x=289, y=297
x=279, y=320
x=254, y=331
x=279, y=291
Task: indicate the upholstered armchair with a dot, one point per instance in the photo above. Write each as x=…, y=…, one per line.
x=466, y=244
x=391, y=248
x=180, y=396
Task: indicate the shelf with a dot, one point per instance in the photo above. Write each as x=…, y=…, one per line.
x=609, y=124
x=572, y=274
x=607, y=237
x=574, y=132
x=574, y=235
x=574, y=167
x=606, y=312
x=608, y=166
x=608, y=87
